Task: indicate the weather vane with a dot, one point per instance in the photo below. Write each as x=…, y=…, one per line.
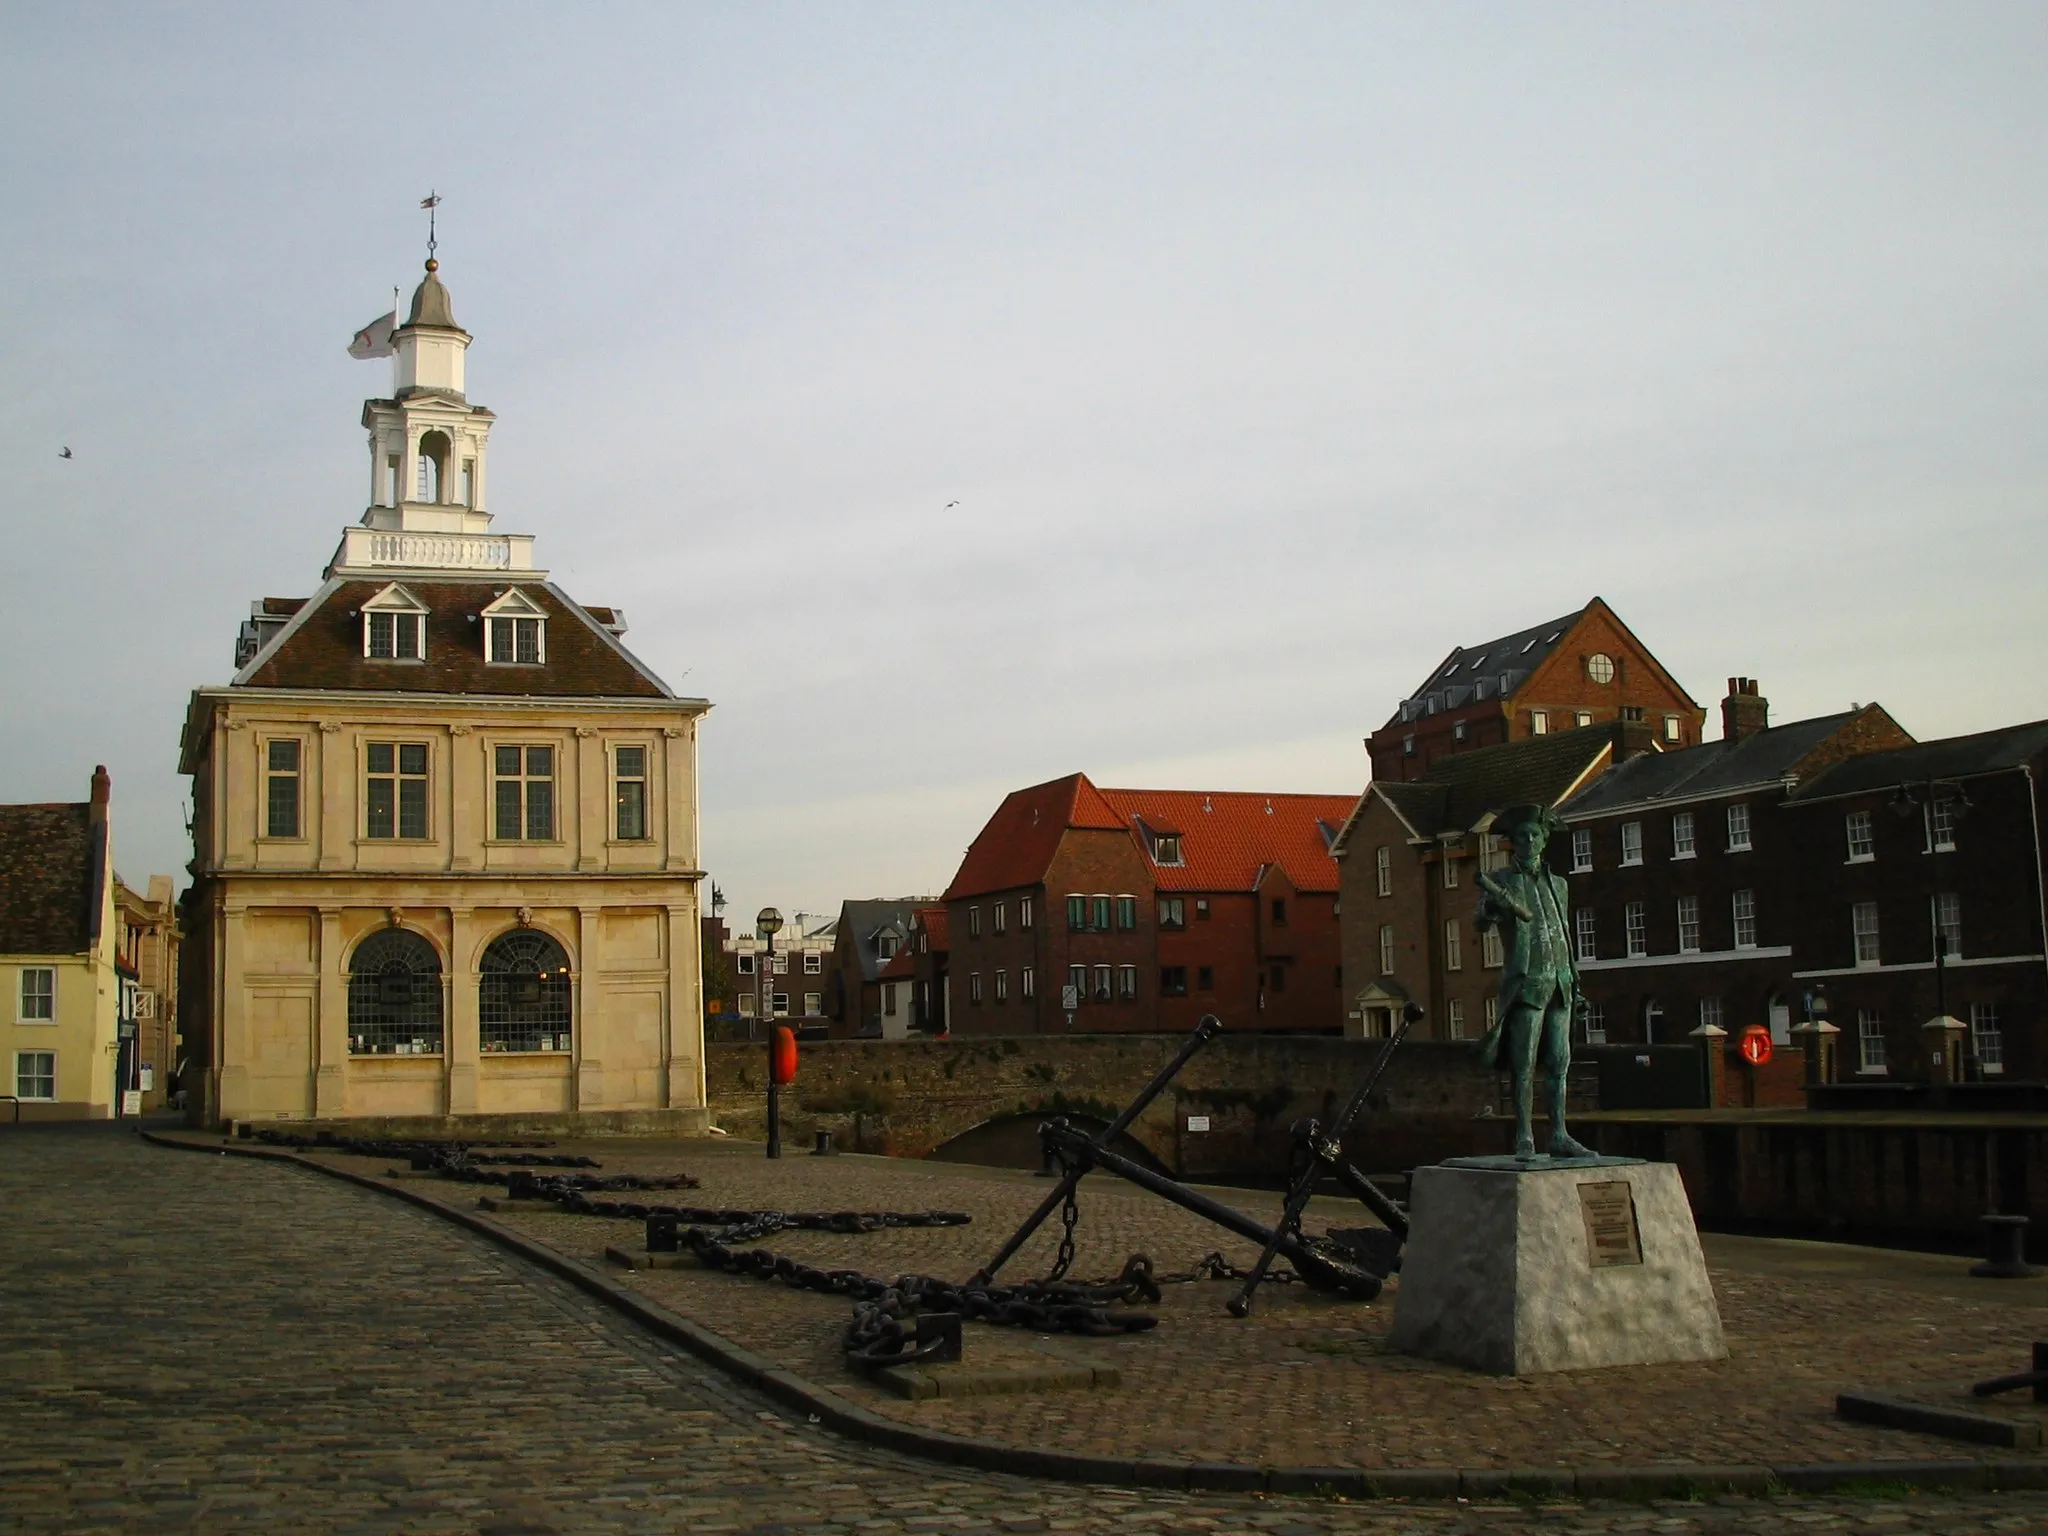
x=430, y=202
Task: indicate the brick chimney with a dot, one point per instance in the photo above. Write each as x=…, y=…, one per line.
x=102, y=792
x=1744, y=712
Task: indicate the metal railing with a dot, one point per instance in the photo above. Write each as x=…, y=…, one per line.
x=8, y=1098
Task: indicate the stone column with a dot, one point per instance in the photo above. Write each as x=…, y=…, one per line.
x=593, y=794
x=685, y=1024
x=335, y=804
x=590, y=1043
x=459, y=1030
x=330, y=1067
x=232, y=998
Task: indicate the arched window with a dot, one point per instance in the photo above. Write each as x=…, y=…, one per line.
x=524, y=1003
x=433, y=462
x=394, y=996
x=1653, y=1020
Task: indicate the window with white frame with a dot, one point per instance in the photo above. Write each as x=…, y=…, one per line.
x=1002, y=986
x=1682, y=845
x=1386, y=949
x=1583, y=717
x=1492, y=1011
x=782, y=963
x=1489, y=949
x=1027, y=986
x=515, y=631
x=1710, y=1013
x=1454, y=950
x=35, y=1075
x=524, y=794
x=1585, y=935
x=395, y=626
x=1738, y=828
x=1862, y=837
x=814, y=963
x=1383, y=870
x=1456, y=1018
x=395, y=789
x=1166, y=849
x=1742, y=906
x=1986, y=1042
x=281, y=787
x=1024, y=915
x=1631, y=842
x=1582, y=850
x=36, y=1001
x=1450, y=870
x=781, y=1001
x=1103, y=975
x=1595, y=1024
x=1539, y=722
x=743, y=963
x=1941, y=817
x=998, y=918
x=1127, y=982
x=1863, y=927
x=1673, y=731
x=1688, y=925
x=974, y=922
x=746, y=1002
x=1948, y=924
x=1077, y=978
x=629, y=794
x=974, y=986
x=1173, y=912
x=1636, y=924
x=1653, y=1021
x=1127, y=912
x=1870, y=1040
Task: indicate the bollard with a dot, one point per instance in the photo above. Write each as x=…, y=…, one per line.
x=520, y=1184
x=2005, y=1250
x=941, y=1329
x=824, y=1148
x=661, y=1235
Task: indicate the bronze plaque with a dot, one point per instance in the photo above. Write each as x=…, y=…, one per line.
x=1611, y=1235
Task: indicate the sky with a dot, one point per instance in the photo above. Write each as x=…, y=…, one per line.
x=963, y=395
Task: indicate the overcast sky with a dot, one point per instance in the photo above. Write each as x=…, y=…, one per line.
x=1269, y=351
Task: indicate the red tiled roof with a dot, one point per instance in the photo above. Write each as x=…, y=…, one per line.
x=1017, y=845
x=902, y=963
x=936, y=927
x=1227, y=837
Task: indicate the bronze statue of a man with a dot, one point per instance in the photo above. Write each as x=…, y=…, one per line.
x=1539, y=986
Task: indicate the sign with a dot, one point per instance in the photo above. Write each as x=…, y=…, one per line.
x=1070, y=998
x=1198, y=1122
x=131, y=1101
x=148, y=1077
x=716, y=1005
x=1609, y=1209
x=1756, y=1045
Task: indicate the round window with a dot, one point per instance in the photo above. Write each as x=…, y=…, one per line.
x=1600, y=667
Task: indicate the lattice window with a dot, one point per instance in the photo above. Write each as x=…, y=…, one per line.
x=524, y=1002
x=394, y=996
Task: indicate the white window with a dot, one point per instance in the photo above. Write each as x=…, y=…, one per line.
x=1539, y=722
x=744, y=964
x=515, y=630
x=1863, y=923
x=1127, y=982
x=525, y=789
x=814, y=963
x=1457, y=1018
x=974, y=986
x=395, y=789
x=1653, y=1021
x=1738, y=828
x=35, y=1075
x=1002, y=986
x=997, y=914
x=1596, y=1024
x=1743, y=905
x=1407, y=746
x=781, y=1005
x=1585, y=935
x=746, y=1005
x=395, y=626
x=1688, y=925
x=1027, y=984
x=1166, y=848
x=629, y=794
x=1985, y=1040
x=1582, y=850
x=1102, y=978
x=1024, y=915
x=1583, y=717
x=281, y=787
x=1492, y=1012
x=1635, y=920
x=1710, y=1013
x=886, y=945
x=1386, y=949
x=1948, y=924
x=1383, y=869
x=1450, y=871
x=1631, y=842
x=782, y=963
x=1942, y=823
x=974, y=922
x=1681, y=836
x=1862, y=841
x=1489, y=949
x=1454, y=950
x=1672, y=729
x=814, y=1002
x=38, y=995
x=1870, y=1040
x=1077, y=978
x=1600, y=667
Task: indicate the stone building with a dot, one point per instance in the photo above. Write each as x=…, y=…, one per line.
x=1587, y=668
x=60, y=1013
x=445, y=849
x=147, y=961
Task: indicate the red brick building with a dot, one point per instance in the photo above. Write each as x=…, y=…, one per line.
x=1097, y=910
x=867, y=936
x=1586, y=668
x=929, y=949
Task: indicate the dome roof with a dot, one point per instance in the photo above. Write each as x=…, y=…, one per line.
x=430, y=302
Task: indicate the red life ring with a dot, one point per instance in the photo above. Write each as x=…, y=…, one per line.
x=782, y=1056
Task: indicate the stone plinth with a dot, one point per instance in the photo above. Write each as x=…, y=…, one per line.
x=1510, y=1268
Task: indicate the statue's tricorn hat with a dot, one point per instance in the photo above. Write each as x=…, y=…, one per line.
x=1510, y=821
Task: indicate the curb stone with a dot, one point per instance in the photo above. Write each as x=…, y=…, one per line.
x=845, y=1417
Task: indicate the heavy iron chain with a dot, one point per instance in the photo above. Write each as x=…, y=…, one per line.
x=1070, y=1217
x=460, y=1161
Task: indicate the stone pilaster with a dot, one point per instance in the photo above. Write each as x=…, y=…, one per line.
x=330, y=1063
x=460, y=1030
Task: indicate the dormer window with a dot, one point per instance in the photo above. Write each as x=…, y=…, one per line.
x=1166, y=848
x=395, y=626
x=515, y=630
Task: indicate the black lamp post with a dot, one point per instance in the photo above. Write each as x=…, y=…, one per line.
x=767, y=924
x=1907, y=799
x=1816, y=1028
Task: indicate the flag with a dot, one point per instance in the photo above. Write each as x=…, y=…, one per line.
x=374, y=339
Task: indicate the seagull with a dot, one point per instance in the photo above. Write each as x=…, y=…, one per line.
x=65, y=454
x=949, y=505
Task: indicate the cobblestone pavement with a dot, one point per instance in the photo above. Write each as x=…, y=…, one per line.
x=215, y=1344
x=1307, y=1379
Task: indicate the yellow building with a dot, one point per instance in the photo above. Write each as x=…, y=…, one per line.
x=59, y=1017
x=445, y=823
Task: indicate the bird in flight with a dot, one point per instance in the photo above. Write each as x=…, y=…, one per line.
x=65, y=454
x=949, y=505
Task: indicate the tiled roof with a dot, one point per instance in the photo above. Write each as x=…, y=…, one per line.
x=1761, y=757
x=1457, y=791
x=902, y=963
x=1016, y=846
x=46, y=876
x=283, y=607
x=860, y=921
x=1228, y=837
x=1518, y=653
x=322, y=648
x=1954, y=757
x=937, y=927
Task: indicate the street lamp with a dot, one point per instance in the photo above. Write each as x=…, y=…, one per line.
x=1818, y=1032
x=1906, y=800
x=767, y=924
